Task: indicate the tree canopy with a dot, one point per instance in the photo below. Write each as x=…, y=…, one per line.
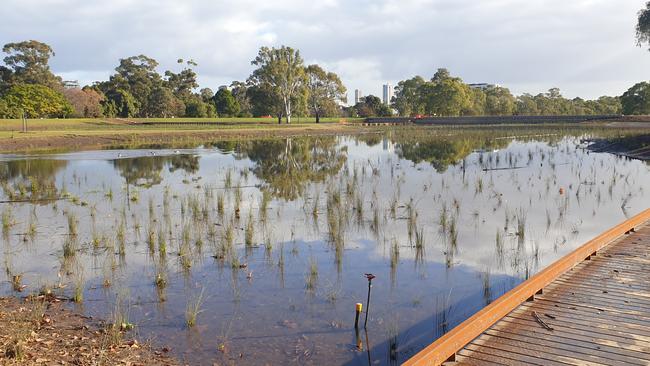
x=280, y=85
x=35, y=101
x=326, y=91
x=643, y=26
x=280, y=71
x=636, y=100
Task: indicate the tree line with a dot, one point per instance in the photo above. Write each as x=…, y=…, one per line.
x=446, y=95
x=281, y=86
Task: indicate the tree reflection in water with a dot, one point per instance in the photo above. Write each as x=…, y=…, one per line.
x=30, y=179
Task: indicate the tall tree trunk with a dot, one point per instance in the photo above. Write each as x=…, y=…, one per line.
x=287, y=110
x=317, y=117
x=279, y=118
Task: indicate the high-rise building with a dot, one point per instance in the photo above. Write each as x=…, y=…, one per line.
x=388, y=94
x=357, y=96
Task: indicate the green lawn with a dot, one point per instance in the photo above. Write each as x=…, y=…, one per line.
x=110, y=124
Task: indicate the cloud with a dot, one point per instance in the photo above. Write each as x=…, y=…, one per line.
x=585, y=47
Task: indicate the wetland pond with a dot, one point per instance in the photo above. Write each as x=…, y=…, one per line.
x=254, y=252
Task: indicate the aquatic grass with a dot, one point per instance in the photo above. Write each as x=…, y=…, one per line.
x=72, y=224
x=264, y=204
x=193, y=309
x=453, y=233
x=160, y=280
x=249, y=231
x=312, y=276
x=487, y=287
x=78, y=295
x=521, y=223
x=442, y=218
x=162, y=243
x=7, y=220
x=69, y=247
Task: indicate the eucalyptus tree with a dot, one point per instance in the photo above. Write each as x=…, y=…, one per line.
x=643, y=26
x=407, y=100
x=499, y=102
x=636, y=100
x=326, y=90
x=445, y=95
x=226, y=103
x=184, y=82
x=137, y=77
x=238, y=89
x=282, y=71
x=28, y=62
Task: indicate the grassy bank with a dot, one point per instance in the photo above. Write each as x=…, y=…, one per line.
x=70, y=134
x=88, y=133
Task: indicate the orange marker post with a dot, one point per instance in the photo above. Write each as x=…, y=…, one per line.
x=359, y=307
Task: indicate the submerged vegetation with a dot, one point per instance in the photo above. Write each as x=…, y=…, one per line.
x=241, y=238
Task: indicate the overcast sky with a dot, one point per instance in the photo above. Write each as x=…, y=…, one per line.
x=584, y=47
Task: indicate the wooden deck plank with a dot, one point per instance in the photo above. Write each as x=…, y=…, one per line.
x=598, y=309
x=554, y=354
x=552, y=342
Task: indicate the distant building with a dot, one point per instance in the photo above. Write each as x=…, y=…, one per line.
x=388, y=94
x=483, y=86
x=70, y=84
x=358, y=96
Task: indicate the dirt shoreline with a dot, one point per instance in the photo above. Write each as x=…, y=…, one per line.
x=38, y=331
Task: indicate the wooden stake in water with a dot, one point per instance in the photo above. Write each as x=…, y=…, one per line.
x=358, y=307
x=369, y=276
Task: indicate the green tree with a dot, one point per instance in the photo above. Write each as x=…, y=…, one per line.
x=477, y=104
x=184, y=82
x=636, y=100
x=280, y=70
x=526, y=105
x=28, y=62
x=120, y=103
x=643, y=25
x=264, y=102
x=407, y=100
x=36, y=101
x=206, y=94
x=137, y=76
x=226, y=103
x=162, y=103
x=445, y=95
x=499, y=102
x=239, y=92
x=609, y=105
x=326, y=90
x=196, y=108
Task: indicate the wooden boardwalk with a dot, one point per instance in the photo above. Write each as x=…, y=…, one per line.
x=594, y=312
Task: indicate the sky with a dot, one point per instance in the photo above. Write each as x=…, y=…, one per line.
x=584, y=47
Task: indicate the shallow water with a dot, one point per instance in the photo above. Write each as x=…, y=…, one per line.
x=446, y=223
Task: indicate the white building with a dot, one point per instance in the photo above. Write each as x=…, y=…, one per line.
x=387, y=94
x=70, y=84
x=358, y=96
x=483, y=86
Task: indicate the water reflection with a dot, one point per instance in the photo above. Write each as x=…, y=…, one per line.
x=287, y=166
x=30, y=179
x=146, y=171
x=446, y=220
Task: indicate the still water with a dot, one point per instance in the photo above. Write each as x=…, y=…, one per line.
x=263, y=244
